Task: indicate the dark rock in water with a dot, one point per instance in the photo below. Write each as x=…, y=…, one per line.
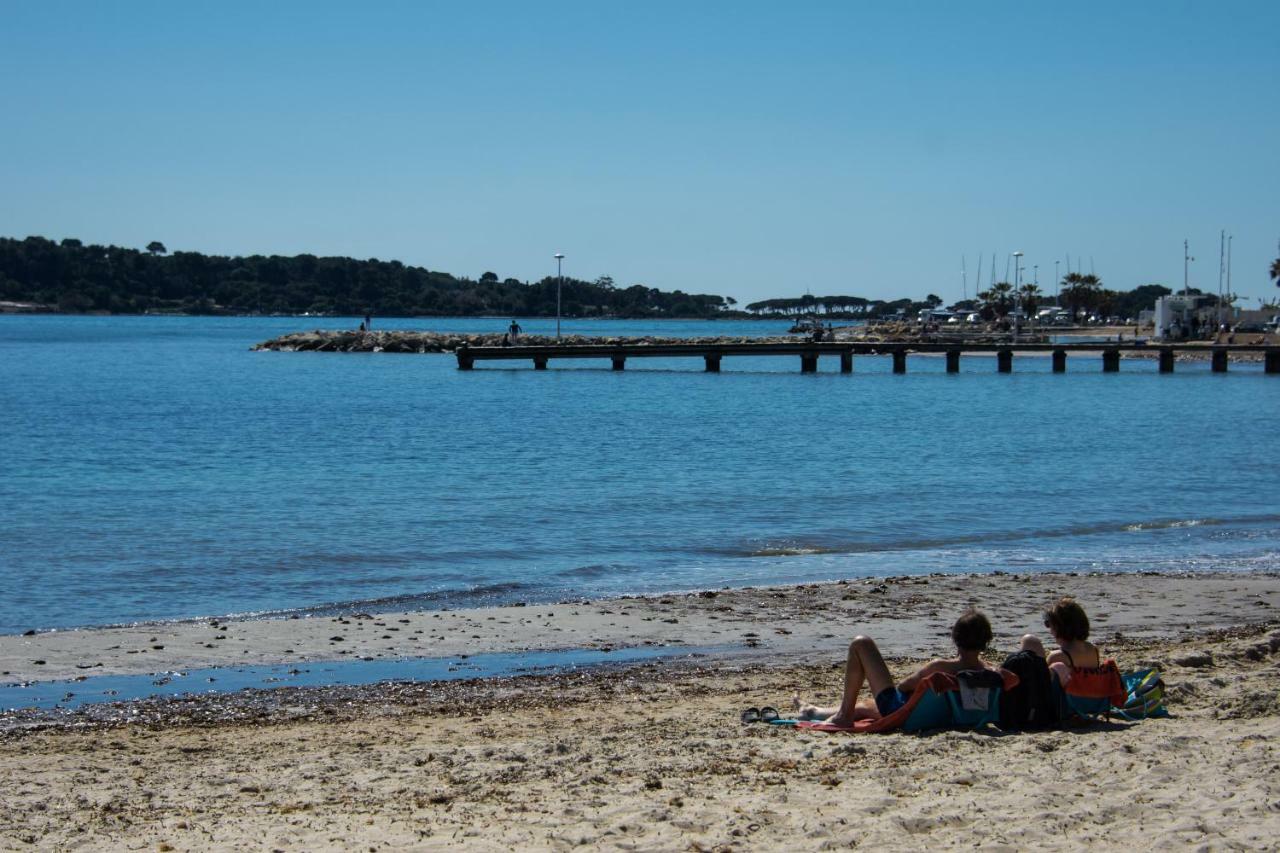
x=30, y=633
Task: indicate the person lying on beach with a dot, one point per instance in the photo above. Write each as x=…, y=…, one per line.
x=1069, y=625
x=971, y=634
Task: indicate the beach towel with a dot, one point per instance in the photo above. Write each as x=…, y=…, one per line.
x=937, y=703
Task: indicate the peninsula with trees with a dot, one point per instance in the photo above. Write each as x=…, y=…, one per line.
x=69, y=276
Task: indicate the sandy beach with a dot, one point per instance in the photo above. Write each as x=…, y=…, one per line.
x=653, y=756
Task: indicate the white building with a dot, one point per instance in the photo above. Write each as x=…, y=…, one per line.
x=1178, y=316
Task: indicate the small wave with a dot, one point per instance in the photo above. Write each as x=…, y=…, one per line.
x=476, y=596
x=802, y=549
x=1171, y=524
x=793, y=551
x=595, y=570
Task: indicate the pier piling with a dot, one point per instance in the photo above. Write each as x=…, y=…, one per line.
x=1271, y=361
x=1059, y=360
x=1004, y=360
x=953, y=361
x=846, y=362
x=809, y=362
x=539, y=362
x=1219, y=360
x=899, y=360
x=619, y=362
x=712, y=361
x=1111, y=360
x=1166, y=359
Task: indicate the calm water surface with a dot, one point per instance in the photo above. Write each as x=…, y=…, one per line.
x=155, y=468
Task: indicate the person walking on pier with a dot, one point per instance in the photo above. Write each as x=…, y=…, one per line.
x=513, y=332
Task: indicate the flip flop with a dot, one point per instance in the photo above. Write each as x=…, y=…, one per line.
x=769, y=714
x=751, y=715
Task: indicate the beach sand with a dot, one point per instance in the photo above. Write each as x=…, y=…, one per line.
x=653, y=756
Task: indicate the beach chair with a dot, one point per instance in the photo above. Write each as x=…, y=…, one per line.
x=1091, y=692
x=941, y=701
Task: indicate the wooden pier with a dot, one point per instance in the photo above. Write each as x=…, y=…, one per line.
x=809, y=353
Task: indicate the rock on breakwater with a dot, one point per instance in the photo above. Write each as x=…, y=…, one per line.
x=425, y=342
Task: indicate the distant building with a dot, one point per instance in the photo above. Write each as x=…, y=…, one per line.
x=1182, y=316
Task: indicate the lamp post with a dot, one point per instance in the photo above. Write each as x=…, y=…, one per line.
x=1017, y=294
x=559, y=284
x=1057, y=283
x=1186, y=266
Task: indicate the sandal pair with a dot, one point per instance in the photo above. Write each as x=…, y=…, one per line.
x=767, y=714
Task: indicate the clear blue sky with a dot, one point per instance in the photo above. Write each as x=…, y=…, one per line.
x=747, y=149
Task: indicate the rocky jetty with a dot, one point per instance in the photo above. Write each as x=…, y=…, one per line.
x=424, y=342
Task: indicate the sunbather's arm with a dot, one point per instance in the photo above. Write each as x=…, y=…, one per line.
x=908, y=685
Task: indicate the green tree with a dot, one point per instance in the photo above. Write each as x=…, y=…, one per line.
x=155, y=247
x=1029, y=295
x=999, y=298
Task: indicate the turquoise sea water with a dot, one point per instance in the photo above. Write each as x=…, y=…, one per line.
x=155, y=468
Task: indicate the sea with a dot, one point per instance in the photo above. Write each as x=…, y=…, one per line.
x=155, y=468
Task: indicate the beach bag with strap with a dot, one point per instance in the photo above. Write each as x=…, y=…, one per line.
x=1144, y=695
x=1030, y=704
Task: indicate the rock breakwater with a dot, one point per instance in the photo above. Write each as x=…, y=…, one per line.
x=427, y=342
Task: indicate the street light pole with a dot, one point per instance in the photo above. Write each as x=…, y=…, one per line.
x=559, y=285
x=1057, y=284
x=1017, y=293
x=1186, y=266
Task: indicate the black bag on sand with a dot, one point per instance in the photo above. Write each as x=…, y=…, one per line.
x=1030, y=705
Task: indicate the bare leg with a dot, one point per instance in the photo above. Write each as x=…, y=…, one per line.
x=864, y=663
x=1031, y=643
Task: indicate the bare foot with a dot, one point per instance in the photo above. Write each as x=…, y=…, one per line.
x=803, y=711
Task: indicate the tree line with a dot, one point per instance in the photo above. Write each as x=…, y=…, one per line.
x=73, y=277
x=1076, y=293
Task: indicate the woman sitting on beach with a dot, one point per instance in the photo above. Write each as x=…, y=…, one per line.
x=971, y=634
x=1067, y=622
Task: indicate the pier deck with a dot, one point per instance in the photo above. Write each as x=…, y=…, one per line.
x=810, y=352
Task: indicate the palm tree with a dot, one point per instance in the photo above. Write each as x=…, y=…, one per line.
x=999, y=297
x=1275, y=271
x=1029, y=295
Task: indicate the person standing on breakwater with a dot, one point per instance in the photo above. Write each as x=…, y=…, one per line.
x=368, y=321
x=513, y=332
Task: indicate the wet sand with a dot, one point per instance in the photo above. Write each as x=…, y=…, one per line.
x=653, y=756
x=912, y=614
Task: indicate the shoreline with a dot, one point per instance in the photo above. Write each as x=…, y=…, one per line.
x=908, y=613
x=653, y=757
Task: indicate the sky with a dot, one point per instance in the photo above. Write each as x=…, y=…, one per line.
x=754, y=150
